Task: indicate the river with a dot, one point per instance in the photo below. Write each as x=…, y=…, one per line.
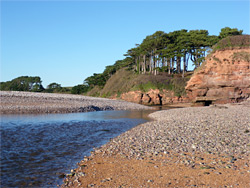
x=36, y=150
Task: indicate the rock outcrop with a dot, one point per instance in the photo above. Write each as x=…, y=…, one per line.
x=223, y=78
x=153, y=97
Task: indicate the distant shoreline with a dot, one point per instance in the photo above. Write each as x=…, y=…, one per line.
x=16, y=102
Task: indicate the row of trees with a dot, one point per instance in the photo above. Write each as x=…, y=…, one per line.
x=23, y=83
x=159, y=52
x=164, y=52
x=31, y=83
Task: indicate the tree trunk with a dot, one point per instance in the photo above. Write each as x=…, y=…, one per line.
x=150, y=64
x=187, y=58
x=154, y=68
x=184, y=65
x=169, y=65
x=163, y=62
x=144, y=64
x=136, y=66
x=172, y=65
x=178, y=64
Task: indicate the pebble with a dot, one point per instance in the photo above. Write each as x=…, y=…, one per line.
x=13, y=102
x=175, y=132
x=203, y=129
x=107, y=179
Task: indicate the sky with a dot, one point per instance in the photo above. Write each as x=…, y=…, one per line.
x=67, y=41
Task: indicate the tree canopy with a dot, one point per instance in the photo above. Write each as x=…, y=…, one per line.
x=55, y=88
x=160, y=52
x=165, y=52
x=79, y=89
x=23, y=83
x=54, y=85
x=227, y=31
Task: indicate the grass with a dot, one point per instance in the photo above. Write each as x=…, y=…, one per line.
x=125, y=80
x=233, y=42
x=119, y=93
x=145, y=87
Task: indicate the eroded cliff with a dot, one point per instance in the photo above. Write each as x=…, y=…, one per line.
x=223, y=78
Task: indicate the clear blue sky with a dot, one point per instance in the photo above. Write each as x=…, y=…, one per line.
x=67, y=41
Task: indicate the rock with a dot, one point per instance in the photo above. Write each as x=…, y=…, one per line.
x=61, y=175
x=145, y=99
x=222, y=77
x=153, y=97
x=81, y=174
x=107, y=179
x=132, y=96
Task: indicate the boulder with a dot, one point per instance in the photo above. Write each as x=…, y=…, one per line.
x=155, y=97
x=132, y=96
x=146, y=99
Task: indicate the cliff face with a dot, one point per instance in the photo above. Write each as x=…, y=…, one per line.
x=223, y=78
x=153, y=97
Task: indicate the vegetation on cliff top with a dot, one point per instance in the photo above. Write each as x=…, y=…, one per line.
x=232, y=42
x=158, y=62
x=125, y=80
x=158, y=54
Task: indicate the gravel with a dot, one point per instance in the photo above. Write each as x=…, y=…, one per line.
x=15, y=102
x=223, y=129
x=207, y=140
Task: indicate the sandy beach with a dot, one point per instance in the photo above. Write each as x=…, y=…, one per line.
x=15, y=102
x=188, y=147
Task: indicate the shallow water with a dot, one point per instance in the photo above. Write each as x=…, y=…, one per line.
x=37, y=149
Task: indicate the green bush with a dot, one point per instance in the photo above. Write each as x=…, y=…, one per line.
x=79, y=89
x=23, y=83
x=179, y=86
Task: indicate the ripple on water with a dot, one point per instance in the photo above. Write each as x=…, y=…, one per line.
x=36, y=151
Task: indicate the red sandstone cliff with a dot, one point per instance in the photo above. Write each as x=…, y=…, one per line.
x=153, y=97
x=224, y=77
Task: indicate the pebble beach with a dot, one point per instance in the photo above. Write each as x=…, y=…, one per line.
x=16, y=102
x=188, y=147
x=184, y=147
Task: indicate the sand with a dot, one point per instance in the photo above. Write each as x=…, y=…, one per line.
x=189, y=147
